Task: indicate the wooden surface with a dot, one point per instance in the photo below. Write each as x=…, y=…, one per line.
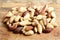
x=5, y=34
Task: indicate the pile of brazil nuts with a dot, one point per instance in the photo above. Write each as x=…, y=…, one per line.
x=32, y=19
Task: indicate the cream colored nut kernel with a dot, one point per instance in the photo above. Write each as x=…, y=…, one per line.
x=27, y=16
x=36, y=21
x=44, y=20
x=30, y=32
x=50, y=9
x=48, y=20
x=17, y=18
x=54, y=24
x=14, y=12
x=8, y=23
x=39, y=17
x=33, y=23
x=20, y=14
x=22, y=19
x=39, y=28
x=53, y=14
x=31, y=9
x=42, y=24
x=35, y=29
x=45, y=13
x=53, y=20
x=12, y=19
x=49, y=25
x=26, y=22
x=22, y=9
x=31, y=14
x=9, y=14
x=34, y=7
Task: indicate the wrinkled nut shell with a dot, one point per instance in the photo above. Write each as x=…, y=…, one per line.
x=29, y=28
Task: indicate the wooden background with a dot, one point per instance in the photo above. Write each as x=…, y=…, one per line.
x=5, y=34
x=33, y=1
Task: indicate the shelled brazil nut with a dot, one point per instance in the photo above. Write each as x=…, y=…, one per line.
x=31, y=20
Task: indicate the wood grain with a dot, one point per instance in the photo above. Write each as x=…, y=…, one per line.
x=5, y=34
